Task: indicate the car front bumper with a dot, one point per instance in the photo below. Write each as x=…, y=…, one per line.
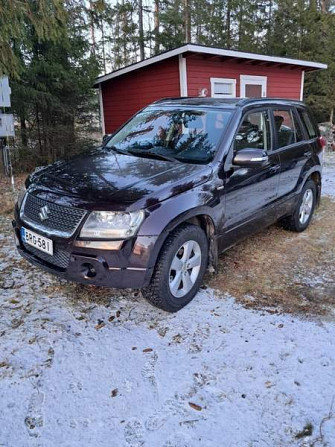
x=125, y=267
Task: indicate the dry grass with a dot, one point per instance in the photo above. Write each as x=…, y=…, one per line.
x=275, y=270
x=7, y=196
x=284, y=271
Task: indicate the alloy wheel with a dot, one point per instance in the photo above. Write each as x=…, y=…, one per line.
x=306, y=206
x=184, y=269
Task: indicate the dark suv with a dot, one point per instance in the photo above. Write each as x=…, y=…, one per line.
x=180, y=182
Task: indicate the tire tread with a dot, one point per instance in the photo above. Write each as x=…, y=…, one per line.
x=153, y=292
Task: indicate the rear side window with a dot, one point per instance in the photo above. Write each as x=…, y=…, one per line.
x=254, y=132
x=286, y=127
x=311, y=131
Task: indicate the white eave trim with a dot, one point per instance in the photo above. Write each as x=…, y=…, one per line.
x=213, y=51
x=145, y=63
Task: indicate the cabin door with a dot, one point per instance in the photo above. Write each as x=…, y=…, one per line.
x=253, y=86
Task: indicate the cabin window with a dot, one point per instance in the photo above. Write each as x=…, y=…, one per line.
x=223, y=88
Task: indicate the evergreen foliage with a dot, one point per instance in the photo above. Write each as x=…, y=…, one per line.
x=53, y=50
x=52, y=78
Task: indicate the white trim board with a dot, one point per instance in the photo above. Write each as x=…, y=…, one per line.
x=212, y=51
x=302, y=86
x=182, y=75
x=102, y=116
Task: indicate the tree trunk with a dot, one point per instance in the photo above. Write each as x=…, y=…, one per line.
x=240, y=28
x=124, y=42
x=38, y=131
x=156, y=26
x=140, y=29
x=324, y=6
x=187, y=19
x=23, y=125
x=228, y=24
x=103, y=45
x=92, y=29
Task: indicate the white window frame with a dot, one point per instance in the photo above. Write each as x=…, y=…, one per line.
x=253, y=80
x=223, y=81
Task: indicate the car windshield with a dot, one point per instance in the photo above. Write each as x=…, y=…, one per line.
x=187, y=135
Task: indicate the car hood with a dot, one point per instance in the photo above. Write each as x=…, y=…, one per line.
x=107, y=180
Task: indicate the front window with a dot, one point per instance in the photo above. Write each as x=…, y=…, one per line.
x=254, y=132
x=184, y=134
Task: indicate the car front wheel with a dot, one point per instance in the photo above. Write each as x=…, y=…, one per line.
x=179, y=270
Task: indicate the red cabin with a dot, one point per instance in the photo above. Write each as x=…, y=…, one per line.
x=196, y=70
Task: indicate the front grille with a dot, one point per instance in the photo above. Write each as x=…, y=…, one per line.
x=60, y=258
x=63, y=220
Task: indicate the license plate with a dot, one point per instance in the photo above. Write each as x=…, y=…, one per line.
x=36, y=240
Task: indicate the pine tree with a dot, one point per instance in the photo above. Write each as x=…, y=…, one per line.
x=45, y=17
x=53, y=91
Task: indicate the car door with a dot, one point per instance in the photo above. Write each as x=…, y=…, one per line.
x=250, y=192
x=292, y=148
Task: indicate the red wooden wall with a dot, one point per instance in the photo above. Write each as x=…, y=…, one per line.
x=125, y=95
x=281, y=82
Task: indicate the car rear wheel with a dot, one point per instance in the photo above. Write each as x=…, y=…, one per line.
x=304, y=210
x=179, y=270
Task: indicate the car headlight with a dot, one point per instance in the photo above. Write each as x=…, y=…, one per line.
x=20, y=197
x=112, y=225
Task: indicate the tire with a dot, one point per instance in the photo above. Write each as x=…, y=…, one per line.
x=303, y=213
x=173, y=285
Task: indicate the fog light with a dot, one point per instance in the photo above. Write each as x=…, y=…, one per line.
x=88, y=271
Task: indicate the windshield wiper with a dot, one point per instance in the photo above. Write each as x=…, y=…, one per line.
x=115, y=149
x=150, y=154
x=141, y=153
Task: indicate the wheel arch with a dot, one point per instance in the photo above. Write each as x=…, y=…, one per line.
x=316, y=177
x=195, y=217
x=314, y=174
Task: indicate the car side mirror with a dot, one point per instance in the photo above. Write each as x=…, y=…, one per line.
x=250, y=158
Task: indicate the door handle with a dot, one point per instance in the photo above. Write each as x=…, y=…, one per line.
x=307, y=153
x=275, y=169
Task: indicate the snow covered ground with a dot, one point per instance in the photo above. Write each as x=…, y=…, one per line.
x=90, y=367
x=328, y=183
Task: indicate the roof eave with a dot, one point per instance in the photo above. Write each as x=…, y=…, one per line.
x=304, y=65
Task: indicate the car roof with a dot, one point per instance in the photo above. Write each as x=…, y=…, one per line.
x=226, y=103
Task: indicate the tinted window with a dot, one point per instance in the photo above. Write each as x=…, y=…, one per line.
x=286, y=128
x=254, y=132
x=187, y=135
x=311, y=131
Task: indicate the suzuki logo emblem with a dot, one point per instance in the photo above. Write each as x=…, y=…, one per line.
x=44, y=213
